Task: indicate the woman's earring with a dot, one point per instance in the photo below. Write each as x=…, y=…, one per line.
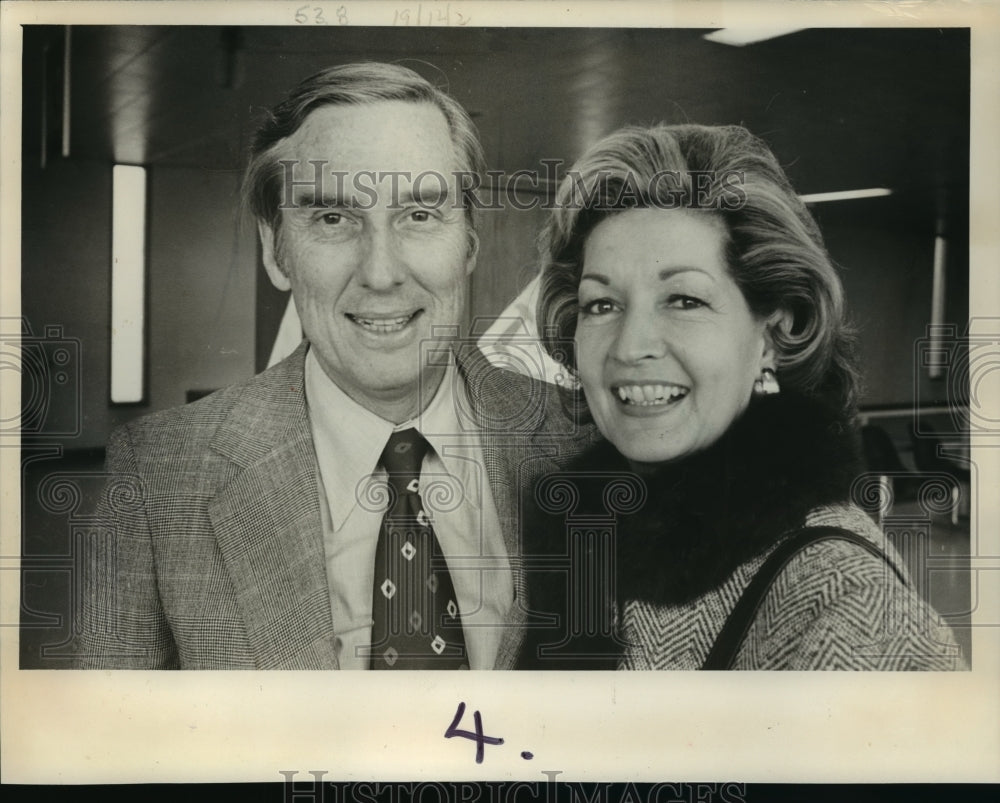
x=766, y=384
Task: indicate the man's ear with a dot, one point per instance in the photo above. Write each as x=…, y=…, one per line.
x=780, y=320
x=275, y=272
x=470, y=259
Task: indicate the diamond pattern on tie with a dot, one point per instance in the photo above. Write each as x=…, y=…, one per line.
x=416, y=620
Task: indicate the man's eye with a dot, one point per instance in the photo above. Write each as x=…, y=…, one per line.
x=332, y=218
x=685, y=302
x=420, y=215
x=599, y=306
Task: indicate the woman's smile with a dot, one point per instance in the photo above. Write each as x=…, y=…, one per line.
x=649, y=395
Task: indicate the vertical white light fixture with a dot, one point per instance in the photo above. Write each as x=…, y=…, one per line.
x=128, y=283
x=935, y=369
x=67, y=78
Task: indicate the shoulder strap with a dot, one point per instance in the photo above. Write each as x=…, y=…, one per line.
x=726, y=646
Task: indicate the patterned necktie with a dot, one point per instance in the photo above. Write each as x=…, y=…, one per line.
x=416, y=622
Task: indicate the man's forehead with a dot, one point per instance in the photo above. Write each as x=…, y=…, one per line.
x=378, y=136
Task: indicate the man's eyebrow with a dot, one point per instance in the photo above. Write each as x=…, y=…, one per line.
x=428, y=191
x=308, y=197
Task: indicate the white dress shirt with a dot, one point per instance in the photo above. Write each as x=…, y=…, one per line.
x=455, y=492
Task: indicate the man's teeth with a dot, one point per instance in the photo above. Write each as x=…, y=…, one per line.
x=648, y=395
x=382, y=325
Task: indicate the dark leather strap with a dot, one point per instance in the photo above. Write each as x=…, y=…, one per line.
x=734, y=631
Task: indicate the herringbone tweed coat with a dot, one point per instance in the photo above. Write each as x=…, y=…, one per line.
x=682, y=543
x=209, y=553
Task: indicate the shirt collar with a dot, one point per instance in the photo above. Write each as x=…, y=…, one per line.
x=446, y=423
x=349, y=438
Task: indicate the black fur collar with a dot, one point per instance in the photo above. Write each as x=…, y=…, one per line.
x=707, y=514
x=702, y=518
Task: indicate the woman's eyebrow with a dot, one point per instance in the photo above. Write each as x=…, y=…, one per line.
x=664, y=274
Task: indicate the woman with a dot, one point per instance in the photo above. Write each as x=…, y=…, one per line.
x=688, y=289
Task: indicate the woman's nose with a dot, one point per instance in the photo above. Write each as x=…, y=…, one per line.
x=638, y=337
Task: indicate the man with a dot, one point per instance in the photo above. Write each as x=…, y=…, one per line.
x=268, y=526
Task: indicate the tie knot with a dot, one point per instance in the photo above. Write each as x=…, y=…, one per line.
x=404, y=452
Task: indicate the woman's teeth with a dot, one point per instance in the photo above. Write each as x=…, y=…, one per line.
x=648, y=395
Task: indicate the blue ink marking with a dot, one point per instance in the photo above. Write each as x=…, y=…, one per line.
x=527, y=755
x=478, y=737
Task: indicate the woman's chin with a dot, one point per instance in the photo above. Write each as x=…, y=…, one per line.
x=648, y=453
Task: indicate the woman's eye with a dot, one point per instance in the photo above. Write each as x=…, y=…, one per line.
x=685, y=302
x=600, y=306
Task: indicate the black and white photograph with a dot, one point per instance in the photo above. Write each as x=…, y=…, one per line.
x=480, y=336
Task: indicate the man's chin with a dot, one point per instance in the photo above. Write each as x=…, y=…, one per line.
x=383, y=386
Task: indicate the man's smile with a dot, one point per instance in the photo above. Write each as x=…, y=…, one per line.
x=383, y=324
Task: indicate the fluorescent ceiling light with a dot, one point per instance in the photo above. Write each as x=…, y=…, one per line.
x=844, y=195
x=737, y=37
x=128, y=283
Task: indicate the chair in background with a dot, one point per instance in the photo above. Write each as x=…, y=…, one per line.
x=904, y=485
x=927, y=455
x=925, y=494
x=882, y=458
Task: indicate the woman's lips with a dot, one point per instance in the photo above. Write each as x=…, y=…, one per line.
x=649, y=394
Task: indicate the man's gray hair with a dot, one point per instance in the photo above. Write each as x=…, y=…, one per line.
x=346, y=84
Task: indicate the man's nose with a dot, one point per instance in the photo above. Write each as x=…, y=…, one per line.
x=381, y=266
x=639, y=337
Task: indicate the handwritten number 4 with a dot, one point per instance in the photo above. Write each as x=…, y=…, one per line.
x=478, y=737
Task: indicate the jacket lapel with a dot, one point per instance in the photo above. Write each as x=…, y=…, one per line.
x=268, y=527
x=267, y=517
x=524, y=434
